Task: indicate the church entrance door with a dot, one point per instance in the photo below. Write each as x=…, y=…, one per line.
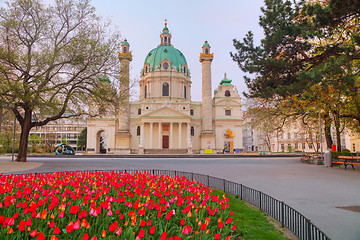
x=165, y=142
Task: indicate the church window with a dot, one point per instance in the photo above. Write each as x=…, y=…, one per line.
x=303, y=146
x=138, y=131
x=165, y=89
x=146, y=69
x=124, y=50
x=165, y=39
x=139, y=111
x=185, y=70
x=165, y=65
x=310, y=145
x=206, y=51
x=227, y=93
x=192, y=112
x=227, y=112
x=192, y=131
x=185, y=92
x=145, y=94
x=296, y=146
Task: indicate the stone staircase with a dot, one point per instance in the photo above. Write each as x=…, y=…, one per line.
x=165, y=151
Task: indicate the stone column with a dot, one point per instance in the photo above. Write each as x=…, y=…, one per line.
x=160, y=140
x=141, y=145
x=122, y=135
x=171, y=136
x=151, y=135
x=179, y=135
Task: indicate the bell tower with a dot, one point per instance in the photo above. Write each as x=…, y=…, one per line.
x=122, y=144
x=207, y=132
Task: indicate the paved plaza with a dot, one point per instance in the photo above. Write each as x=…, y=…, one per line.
x=315, y=191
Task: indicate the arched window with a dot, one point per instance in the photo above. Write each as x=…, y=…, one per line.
x=146, y=69
x=124, y=50
x=145, y=94
x=227, y=93
x=206, y=51
x=165, y=39
x=165, y=89
x=185, y=70
x=185, y=92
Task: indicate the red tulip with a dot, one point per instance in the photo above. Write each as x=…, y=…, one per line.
x=152, y=230
x=113, y=226
x=22, y=225
x=94, y=238
x=233, y=228
x=40, y=236
x=34, y=233
x=77, y=225
x=52, y=224
x=163, y=236
x=141, y=233
x=229, y=220
x=217, y=236
x=220, y=225
x=118, y=232
x=86, y=236
x=74, y=209
x=182, y=222
x=56, y=230
x=70, y=227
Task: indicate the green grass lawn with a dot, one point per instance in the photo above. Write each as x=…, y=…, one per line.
x=251, y=223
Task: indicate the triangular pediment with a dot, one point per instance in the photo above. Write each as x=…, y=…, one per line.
x=165, y=112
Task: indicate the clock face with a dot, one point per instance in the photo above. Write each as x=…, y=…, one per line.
x=166, y=65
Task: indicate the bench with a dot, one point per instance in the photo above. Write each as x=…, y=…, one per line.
x=346, y=160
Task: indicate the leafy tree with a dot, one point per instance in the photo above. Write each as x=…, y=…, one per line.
x=310, y=52
x=51, y=59
x=81, y=143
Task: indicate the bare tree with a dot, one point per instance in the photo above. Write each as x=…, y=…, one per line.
x=51, y=59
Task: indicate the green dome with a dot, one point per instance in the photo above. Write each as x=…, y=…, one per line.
x=168, y=52
x=104, y=80
x=125, y=42
x=225, y=81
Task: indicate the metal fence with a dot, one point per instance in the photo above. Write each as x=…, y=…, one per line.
x=288, y=217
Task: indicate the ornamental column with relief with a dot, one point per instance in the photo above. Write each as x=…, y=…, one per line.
x=122, y=139
x=207, y=132
x=189, y=140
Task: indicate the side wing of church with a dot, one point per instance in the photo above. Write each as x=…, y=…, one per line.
x=165, y=120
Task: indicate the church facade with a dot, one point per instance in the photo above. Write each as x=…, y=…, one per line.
x=164, y=119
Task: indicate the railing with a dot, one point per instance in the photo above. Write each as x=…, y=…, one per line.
x=288, y=217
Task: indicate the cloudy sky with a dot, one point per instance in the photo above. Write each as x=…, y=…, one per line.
x=190, y=22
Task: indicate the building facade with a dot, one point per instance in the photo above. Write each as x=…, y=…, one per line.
x=165, y=119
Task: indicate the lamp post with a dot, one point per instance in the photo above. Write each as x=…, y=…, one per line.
x=321, y=142
x=13, y=145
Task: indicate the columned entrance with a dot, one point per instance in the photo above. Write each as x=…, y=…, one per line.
x=158, y=135
x=229, y=141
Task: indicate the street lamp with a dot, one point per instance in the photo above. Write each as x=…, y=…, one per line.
x=321, y=142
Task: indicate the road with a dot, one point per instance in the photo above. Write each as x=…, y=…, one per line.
x=315, y=191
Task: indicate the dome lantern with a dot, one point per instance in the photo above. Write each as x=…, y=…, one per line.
x=165, y=37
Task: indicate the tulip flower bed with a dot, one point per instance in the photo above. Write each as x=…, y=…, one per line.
x=111, y=205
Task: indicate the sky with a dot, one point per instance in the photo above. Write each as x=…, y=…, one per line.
x=190, y=22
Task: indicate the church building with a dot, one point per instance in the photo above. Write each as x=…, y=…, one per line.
x=164, y=119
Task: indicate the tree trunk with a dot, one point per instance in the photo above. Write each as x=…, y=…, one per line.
x=328, y=138
x=338, y=140
x=24, y=138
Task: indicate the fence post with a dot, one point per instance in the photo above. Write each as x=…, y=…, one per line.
x=174, y=173
x=192, y=176
x=308, y=227
x=241, y=191
x=224, y=184
x=208, y=180
x=260, y=193
x=282, y=213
